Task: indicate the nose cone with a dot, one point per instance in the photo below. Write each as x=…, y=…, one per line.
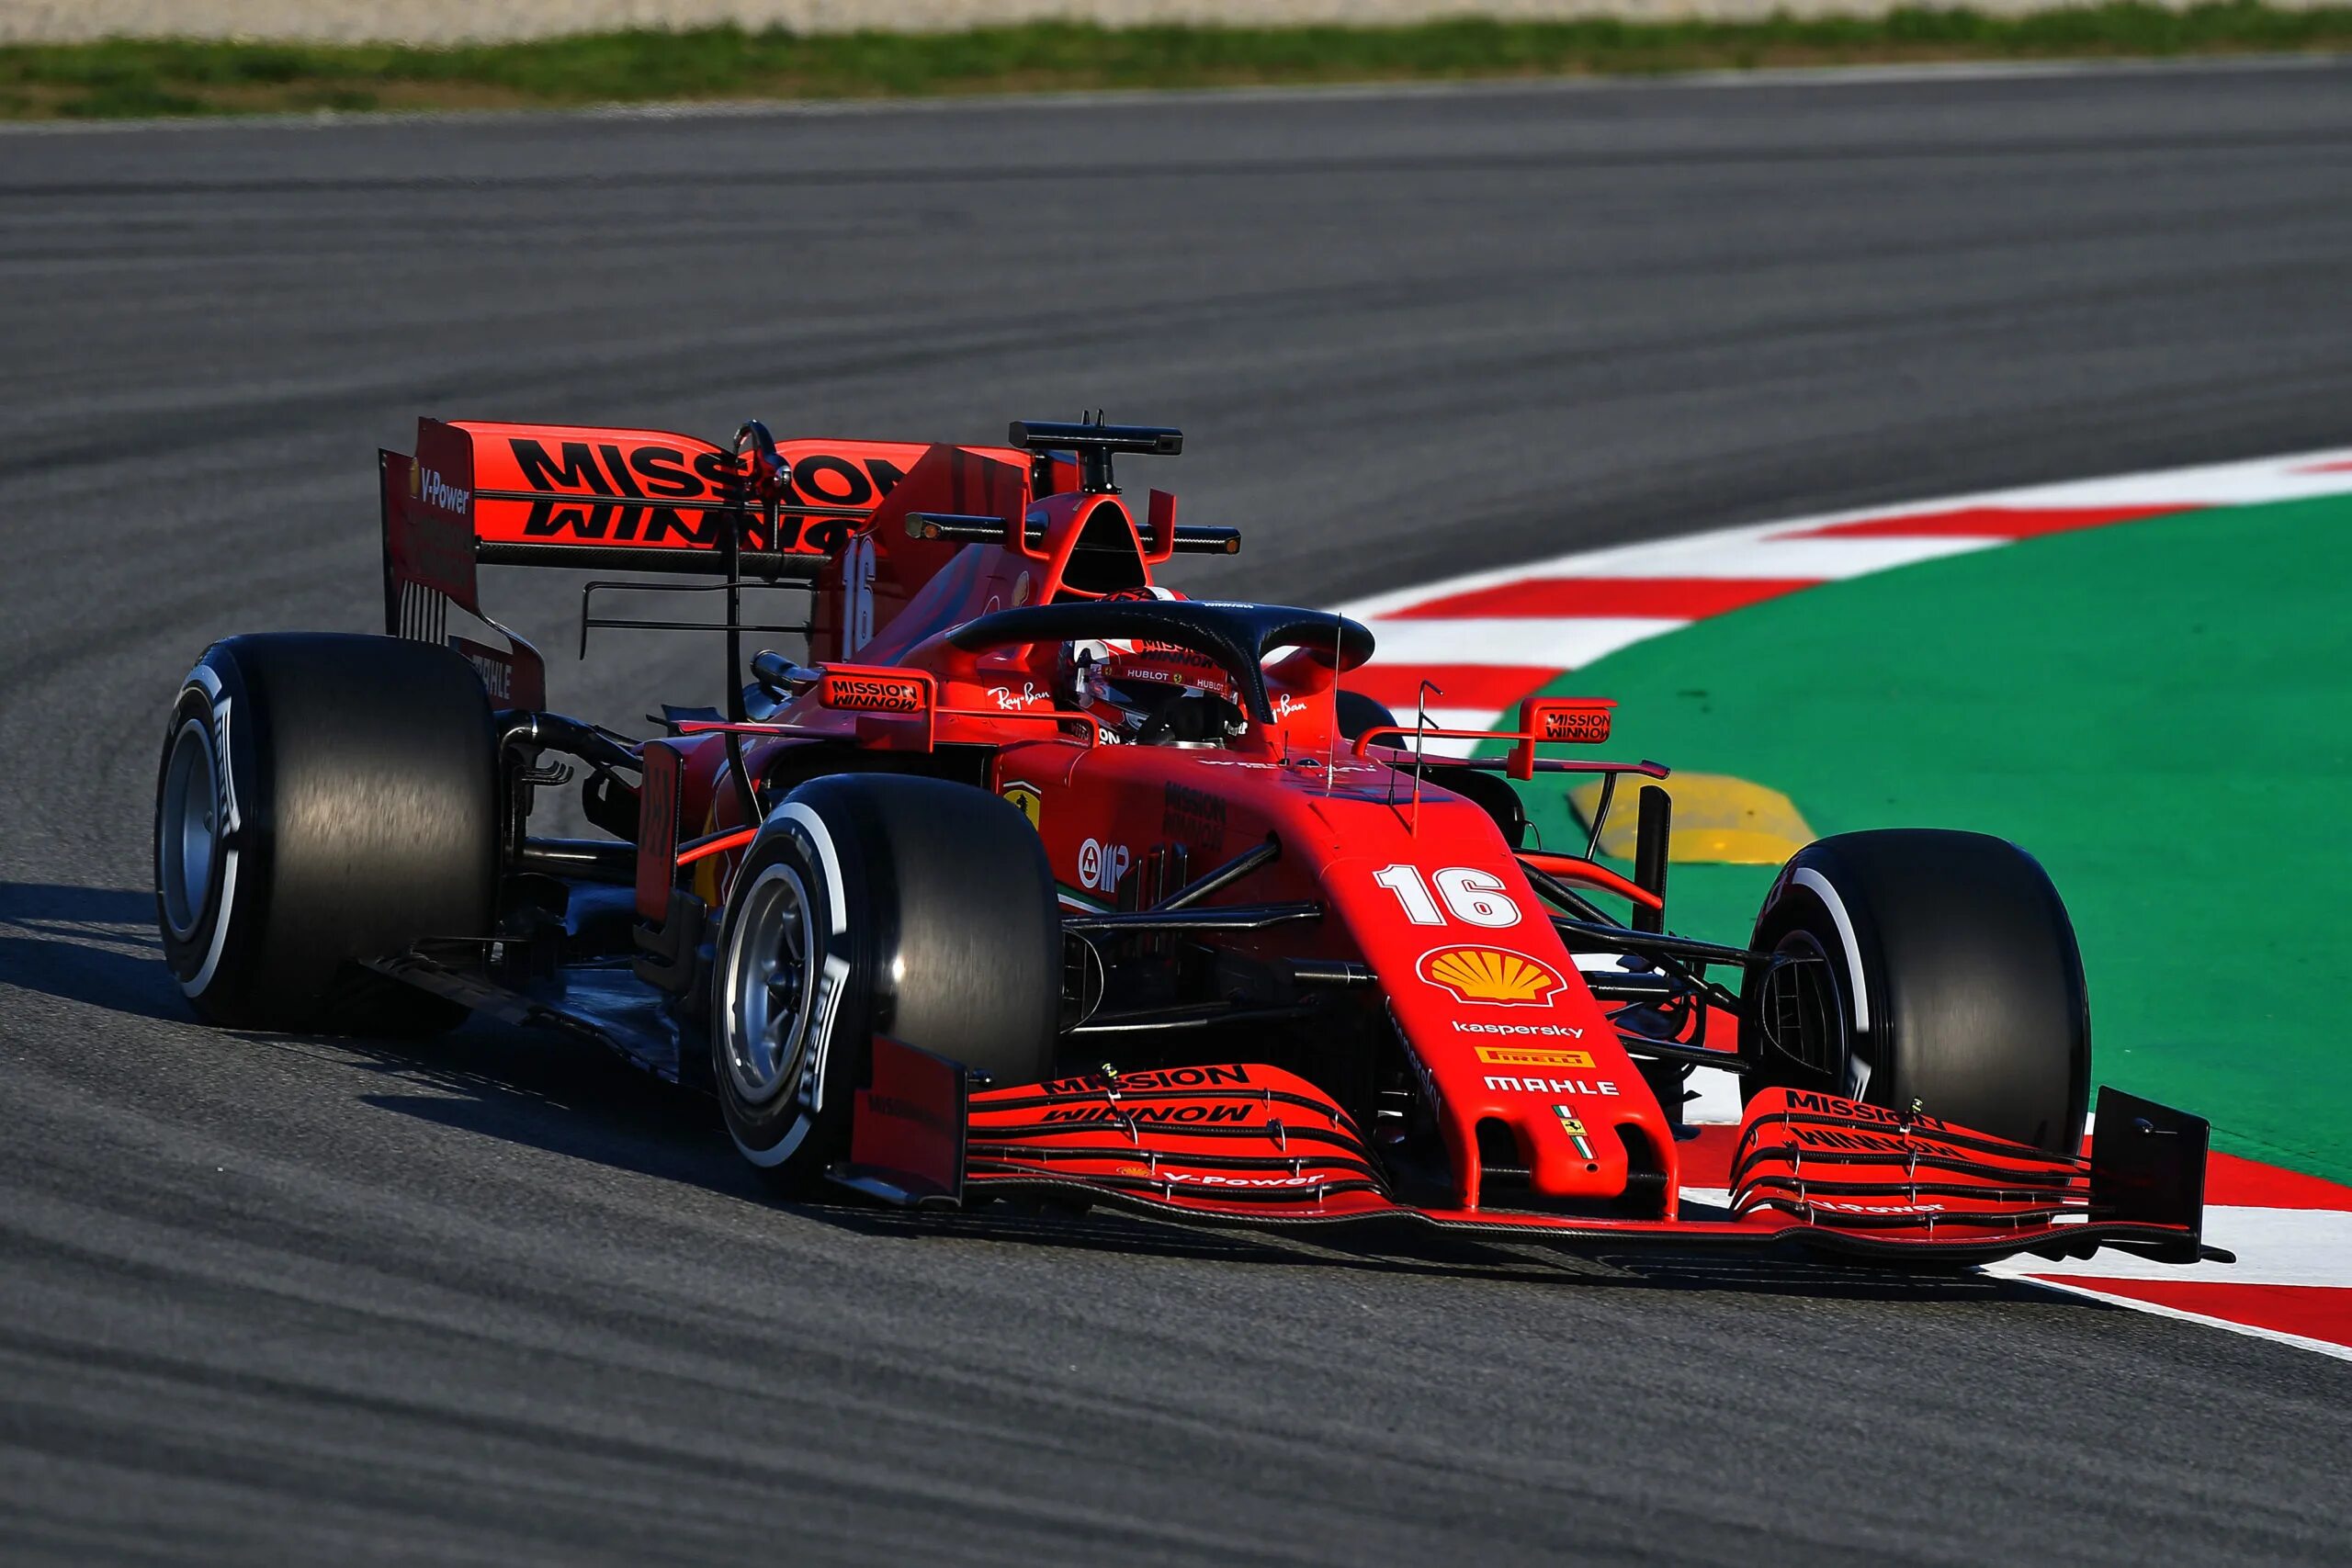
x=1555, y=1135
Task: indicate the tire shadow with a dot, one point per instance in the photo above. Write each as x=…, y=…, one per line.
x=563, y=1097
x=93, y=945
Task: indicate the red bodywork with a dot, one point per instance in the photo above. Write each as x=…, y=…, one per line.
x=1518, y=1063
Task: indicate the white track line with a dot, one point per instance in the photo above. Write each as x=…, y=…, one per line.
x=1763, y=549
x=1562, y=644
x=2011, y=1270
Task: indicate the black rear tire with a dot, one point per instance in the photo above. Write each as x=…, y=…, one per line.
x=878, y=904
x=1947, y=974
x=322, y=799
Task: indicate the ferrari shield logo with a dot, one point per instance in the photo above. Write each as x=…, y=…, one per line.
x=1031, y=804
x=1574, y=1129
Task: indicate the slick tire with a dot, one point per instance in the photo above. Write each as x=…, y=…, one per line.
x=877, y=904
x=1936, y=967
x=322, y=799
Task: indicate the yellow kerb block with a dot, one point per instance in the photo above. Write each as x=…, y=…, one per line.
x=1718, y=820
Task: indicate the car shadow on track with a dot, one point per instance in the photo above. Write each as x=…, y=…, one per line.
x=553, y=1095
x=98, y=946
x=95, y=945
x=1405, y=1249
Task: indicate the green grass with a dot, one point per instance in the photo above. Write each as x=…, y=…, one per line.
x=128, y=77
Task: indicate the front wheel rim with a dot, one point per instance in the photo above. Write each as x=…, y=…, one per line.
x=1801, y=1013
x=771, y=987
x=188, y=835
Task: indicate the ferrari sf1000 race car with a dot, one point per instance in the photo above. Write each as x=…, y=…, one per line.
x=1025, y=876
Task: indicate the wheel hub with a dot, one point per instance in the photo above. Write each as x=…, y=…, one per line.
x=771, y=987
x=188, y=827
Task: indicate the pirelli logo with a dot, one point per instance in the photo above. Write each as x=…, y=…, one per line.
x=1526, y=1056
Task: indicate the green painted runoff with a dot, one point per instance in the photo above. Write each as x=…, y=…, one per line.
x=2161, y=712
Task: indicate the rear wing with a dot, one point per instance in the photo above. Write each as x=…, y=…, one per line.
x=483, y=493
x=645, y=500
x=863, y=524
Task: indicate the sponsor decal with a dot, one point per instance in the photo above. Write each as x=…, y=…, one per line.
x=1121, y=1115
x=1834, y=1206
x=652, y=493
x=824, y=480
x=609, y=522
x=1010, y=700
x=225, y=795
x=1855, y=1110
x=1502, y=1084
x=1211, y=1179
x=1521, y=1056
x=1159, y=1077
x=1574, y=1129
x=1541, y=1031
x=1174, y=653
x=1491, y=975
x=1586, y=726
x=1026, y=795
x=1100, y=864
x=496, y=669
x=830, y=983
x=1862, y=1142
x=1194, y=818
x=649, y=470
x=1285, y=704
x=1022, y=589
x=437, y=491
x=868, y=692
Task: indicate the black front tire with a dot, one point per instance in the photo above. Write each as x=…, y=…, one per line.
x=322, y=799
x=878, y=904
x=1941, y=971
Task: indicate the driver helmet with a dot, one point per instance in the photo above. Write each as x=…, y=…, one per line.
x=1136, y=675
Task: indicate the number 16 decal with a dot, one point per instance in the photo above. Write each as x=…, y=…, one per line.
x=1473, y=897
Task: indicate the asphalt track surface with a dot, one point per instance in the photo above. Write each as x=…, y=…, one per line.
x=316, y=1300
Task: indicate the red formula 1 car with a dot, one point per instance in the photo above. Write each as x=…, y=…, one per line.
x=1032, y=878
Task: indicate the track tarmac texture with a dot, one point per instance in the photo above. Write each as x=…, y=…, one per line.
x=483, y=1299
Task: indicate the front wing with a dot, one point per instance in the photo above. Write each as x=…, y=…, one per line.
x=1248, y=1144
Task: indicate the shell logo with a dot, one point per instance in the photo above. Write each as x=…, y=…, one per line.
x=1491, y=975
